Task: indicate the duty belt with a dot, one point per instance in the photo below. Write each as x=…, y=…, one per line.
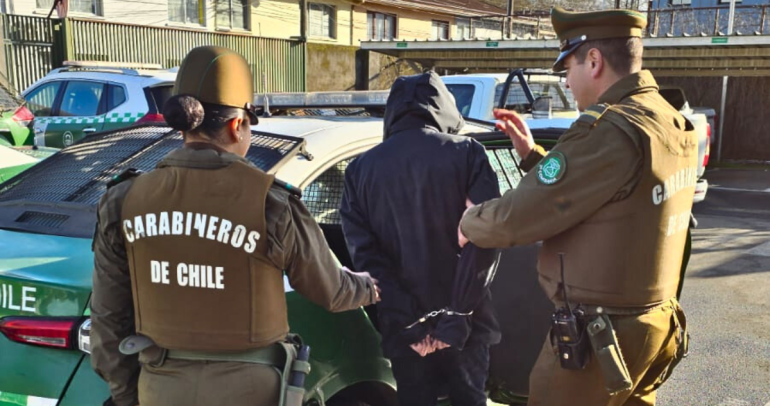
x=273, y=355
x=595, y=310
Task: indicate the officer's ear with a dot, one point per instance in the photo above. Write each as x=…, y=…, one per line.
x=595, y=61
x=234, y=129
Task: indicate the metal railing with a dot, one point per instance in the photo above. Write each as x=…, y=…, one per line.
x=33, y=46
x=679, y=21
x=28, y=50
x=277, y=64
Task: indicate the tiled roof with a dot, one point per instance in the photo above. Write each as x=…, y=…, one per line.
x=453, y=7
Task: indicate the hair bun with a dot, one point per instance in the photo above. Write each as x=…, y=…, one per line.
x=183, y=112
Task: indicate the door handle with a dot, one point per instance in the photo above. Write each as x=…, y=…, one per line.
x=89, y=130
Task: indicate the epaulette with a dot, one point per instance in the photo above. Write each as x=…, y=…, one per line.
x=123, y=176
x=593, y=113
x=286, y=186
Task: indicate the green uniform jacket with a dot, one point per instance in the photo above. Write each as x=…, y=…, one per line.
x=296, y=245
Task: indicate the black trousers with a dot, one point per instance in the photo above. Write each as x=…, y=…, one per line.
x=459, y=374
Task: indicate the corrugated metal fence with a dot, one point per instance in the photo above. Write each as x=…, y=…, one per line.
x=35, y=45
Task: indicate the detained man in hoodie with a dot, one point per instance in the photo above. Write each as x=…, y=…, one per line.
x=402, y=203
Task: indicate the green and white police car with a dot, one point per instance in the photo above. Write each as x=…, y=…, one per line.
x=47, y=217
x=81, y=98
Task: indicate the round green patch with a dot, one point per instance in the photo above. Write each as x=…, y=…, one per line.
x=552, y=168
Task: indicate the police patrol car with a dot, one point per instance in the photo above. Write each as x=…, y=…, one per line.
x=88, y=97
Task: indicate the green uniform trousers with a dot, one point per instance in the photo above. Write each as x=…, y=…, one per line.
x=208, y=383
x=648, y=343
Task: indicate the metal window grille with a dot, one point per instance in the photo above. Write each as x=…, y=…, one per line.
x=324, y=195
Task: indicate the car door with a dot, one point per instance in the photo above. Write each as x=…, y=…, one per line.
x=80, y=112
x=41, y=101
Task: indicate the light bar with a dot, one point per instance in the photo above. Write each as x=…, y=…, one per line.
x=376, y=98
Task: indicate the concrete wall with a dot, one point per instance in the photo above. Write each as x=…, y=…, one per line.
x=333, y=67
x=748, y=100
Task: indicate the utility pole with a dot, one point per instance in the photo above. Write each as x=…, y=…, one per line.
x=730, y=25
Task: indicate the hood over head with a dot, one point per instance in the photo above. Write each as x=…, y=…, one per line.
x=421, y=101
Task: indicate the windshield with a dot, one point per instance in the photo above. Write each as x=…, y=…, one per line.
x=562, y=99
x=463, y=97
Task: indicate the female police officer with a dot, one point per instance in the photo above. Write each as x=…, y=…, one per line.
x=191, y=255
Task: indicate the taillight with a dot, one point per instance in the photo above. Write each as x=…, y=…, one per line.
x=151, y=118
x=56, y=332
x=23, y=116
x=708, y=145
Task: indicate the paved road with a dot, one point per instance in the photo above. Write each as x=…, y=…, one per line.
x=727, y=299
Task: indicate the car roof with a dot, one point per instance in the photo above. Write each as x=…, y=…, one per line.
x=143, y=78
x=331, y=138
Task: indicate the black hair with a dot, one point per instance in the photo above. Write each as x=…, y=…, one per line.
x=187, y=113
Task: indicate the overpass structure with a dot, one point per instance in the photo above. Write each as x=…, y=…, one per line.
x=724, y=55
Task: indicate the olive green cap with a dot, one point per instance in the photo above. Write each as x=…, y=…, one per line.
x=573, y=29
x=217, y=75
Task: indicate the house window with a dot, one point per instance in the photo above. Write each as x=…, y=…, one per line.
x=464, y=29
x=186, y=11
x=75, y=6
x=681, y=2
x=232, y=14
x=322, y=20
x=440, y=29
x=380, y=26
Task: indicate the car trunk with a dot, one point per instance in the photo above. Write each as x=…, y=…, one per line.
x=40, y=277
x=47, y=218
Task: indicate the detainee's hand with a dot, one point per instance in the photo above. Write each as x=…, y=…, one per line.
x=517, y=130
x=438, y=344
x=423, y=347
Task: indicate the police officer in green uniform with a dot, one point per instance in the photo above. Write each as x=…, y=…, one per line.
x=614, y=197
x=190, y=258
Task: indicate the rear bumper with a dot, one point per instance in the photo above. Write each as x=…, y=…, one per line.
x=700, y=190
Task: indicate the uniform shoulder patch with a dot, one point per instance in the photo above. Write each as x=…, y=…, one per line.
x=288, y=187
x=552, y=168
x=123, y=176
x=593, y=113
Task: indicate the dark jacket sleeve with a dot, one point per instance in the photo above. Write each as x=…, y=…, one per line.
x=299, y=248
x=112, y=309
x=476, y=266
x=368, y=256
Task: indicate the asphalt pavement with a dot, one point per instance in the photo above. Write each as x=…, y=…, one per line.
x=727, y=296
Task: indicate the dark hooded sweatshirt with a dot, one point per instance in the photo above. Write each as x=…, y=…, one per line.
x=400, y=211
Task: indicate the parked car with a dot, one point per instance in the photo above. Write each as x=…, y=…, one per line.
x=46, y=224
x=15, y=118
x=87, y=97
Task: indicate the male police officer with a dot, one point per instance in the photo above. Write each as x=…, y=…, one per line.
x=614, y=196
x=191, y=255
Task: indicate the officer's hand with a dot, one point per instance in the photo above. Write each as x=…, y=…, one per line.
x=460, y=236
x=517, y=130
x=377, y=290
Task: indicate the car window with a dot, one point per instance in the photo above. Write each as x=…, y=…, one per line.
x=161, y=94
x=561, y=97
x=81, y=99
x=463, y=97
x=40, y=101
x=324, y=195
x=503, y=161
x=117, y=97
